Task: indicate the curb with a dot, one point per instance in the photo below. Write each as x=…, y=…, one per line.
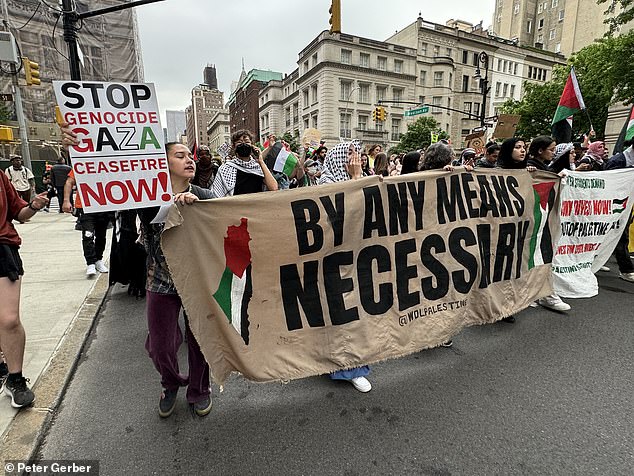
x=28, y=428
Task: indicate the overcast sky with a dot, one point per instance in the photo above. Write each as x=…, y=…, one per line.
x=179, y=37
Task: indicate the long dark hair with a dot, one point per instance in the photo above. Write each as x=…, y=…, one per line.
x=380, y=164
x=537, y=144
x=505, y=159
x=410, y=162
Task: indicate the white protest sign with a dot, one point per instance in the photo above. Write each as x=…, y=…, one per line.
x=595, y=207
x=120, y=162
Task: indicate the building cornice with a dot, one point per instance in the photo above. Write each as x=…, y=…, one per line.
x=353, y=69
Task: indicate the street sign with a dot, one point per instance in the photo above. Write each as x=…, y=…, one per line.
x=417, y=111
x=491, y=119
x=478, y=129
x=6, y=97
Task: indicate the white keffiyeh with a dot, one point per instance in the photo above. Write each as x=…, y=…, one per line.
x=335, y=163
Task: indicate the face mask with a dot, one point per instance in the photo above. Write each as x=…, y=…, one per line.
x=243, y=150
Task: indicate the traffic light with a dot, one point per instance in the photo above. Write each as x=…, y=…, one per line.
x=381, y=113
x=31, y=71
x=335, y=16
x=375, y=114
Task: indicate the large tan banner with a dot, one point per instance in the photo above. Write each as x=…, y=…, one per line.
x=289, y=284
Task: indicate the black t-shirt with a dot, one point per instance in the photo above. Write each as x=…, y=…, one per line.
x=59, y=173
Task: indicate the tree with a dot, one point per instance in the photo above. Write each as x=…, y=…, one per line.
x=605, y=77
x=291, y=140
x=418, y=135
x=625, y=15
x=5, y=113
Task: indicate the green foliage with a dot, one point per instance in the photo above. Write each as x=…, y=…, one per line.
x=5, y=113
x=625, y=15
x=418, y=135
x=291, y=140
x=605, y=77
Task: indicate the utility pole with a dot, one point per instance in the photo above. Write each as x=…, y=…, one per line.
x=70, y=19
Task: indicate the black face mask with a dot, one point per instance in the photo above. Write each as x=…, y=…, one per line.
x=243, y=150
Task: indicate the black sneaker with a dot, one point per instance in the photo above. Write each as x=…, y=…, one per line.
x=202, y=407
x=509, y=319
x=3, y=376
x=167, y=403
x=21, y=395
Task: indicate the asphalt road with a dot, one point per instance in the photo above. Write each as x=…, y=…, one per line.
x=551, y=394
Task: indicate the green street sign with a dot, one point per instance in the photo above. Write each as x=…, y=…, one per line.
x=417, y=111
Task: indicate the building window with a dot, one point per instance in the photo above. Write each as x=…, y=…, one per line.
x=540, y=8
x=436, y=101
x=516, y=9
x=421, y=99
x=540, y=24
x=381, y=63
x=364, y=60
x=305, y=123
x=465, y=83
x=512, y=91
x=561, y=15
x=467, y=107
x=314, y=60
x=540, y=38
x=423, y=49
x=287, y=116
x=448, y=104
x=396, y=129
x=436, y=50
x=398, y=66
x=438, y=78
x=364, y=93
x=558, y=48
x=346, y=56
x=505, y=90
x=554, y=3
x=476, y=109
x=305, y=97
x=306, y=67
x=476, y=59
x=346, y=88
x=363, y=123
x=381, y=91
x=498, y=85
x=314, y=120
x=423, y=77
x=397, y=94
x=465, y=56
x=515, y=69
x=448, y=52
x=551, y=34
x=313, y=92
x=344, y=125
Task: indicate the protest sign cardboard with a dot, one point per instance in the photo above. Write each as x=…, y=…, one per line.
x=284, y=285
x=311, y=138
x=506, y=125
x=595, y=207
x=120, y=162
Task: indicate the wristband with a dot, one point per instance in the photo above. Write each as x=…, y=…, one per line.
x=30, y=205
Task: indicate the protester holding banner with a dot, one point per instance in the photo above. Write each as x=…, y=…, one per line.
x=621, y=252
x=513, y=156
x=12, y=335
x=411, y=162
x=540, y=152
x=563, y=158
x=245, y=172
x=164, y=304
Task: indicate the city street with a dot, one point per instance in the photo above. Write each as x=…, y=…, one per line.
x=550, y=394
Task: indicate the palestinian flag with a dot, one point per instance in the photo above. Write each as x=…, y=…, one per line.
x=571, y=101
x=627, y=133
x=235, y=288
x=619, y=206
x=285, y=162
x=194, y=152
x=541, y=242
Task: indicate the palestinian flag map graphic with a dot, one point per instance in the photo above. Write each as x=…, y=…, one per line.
x=541, y=243
x=235, y=288
x=619, y=206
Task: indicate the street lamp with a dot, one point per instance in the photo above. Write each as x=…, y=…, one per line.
x=483, y=59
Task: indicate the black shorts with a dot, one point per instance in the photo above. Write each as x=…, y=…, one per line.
x=10, y=262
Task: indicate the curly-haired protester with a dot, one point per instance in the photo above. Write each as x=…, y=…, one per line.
x=12, y=335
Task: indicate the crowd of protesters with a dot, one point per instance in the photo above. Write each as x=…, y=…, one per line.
x=247, y=169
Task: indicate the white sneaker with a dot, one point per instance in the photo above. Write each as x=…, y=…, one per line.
x=91, y=272
x=362, y=384
x=101, y=267
x=604, y=269
x=554, y=302
x=627, y=277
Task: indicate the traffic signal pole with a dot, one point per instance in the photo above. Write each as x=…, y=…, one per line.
x=70, y=19
x=19, y=112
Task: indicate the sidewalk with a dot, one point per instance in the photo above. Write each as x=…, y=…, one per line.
x=54, y=291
